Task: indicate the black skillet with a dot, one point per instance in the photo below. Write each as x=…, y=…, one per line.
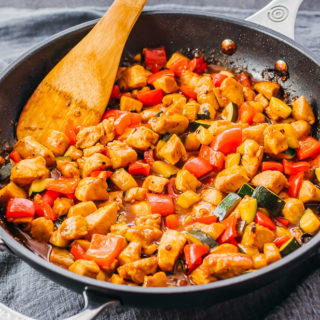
x=257, y=49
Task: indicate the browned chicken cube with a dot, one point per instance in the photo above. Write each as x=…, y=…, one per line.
x=98, y=148
x=123, y=180
x=121, y=154
x=173, y=150
x=301, y=128
x=155, y=183
x=142, y=138
x=255, y=133
x=56, y=141
x=159, y=279
x=204, y=91
x=212, y=196
x=302, y=110
x=232, y=89
x=68, y=169
x=108, y=125
x=74, y=228
x=256, y=236
x=131, y=253
x=186, y=181
x=191, y=110
x=41, y=229
x=167, y=84
x=267, y=88
x=92, y=189
x=293, y=210
x=28, y=170
x=11, y=190
x=170, y=247
x=137, y=270
x=189, y=79
x=61, y=206
x=96, y=162
x=57, y=239
x=28, y=147
x=85, y=268
x=89, y=136
x=308, y=192
x=135, y=194
x=61, y=257
x=152, y=220
x=213, y=229
x=133, y=77
x=82, y=209
x=172, y=123
x=175, y=103
x=130, y=104
x=271, y=179
x=275, y=140
x=74, y=153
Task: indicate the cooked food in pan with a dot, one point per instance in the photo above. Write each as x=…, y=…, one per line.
x=190, y=177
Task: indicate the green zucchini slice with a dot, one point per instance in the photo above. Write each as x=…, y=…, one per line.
x=245, y=190
x=309, y=222
x=202, y=237
x=38, y=186
x=288, y=154
x=226, y=206
x=268, y=200
x=289, y=246
x=230, y=112
x=195, y=124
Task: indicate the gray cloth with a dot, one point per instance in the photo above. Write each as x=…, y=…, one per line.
x=27, y=291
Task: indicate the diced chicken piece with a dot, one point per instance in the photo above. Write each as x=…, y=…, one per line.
x=173, y=150
x=189, y=79
x=147, y=114
x=123, y=180
x=41, y=229
x=137, y=270
x=222, y=101
x=249, y=94
x=28, y=147
x=293, y=210
x=98, y=148
x=175, y=103
x=267, y=88
x=96, y=162
x=174, y=123
x=186, y=181
x=155, y=184
x=61, y=257
x=191, y=110
x=221, y=266
x=115, y=278
x=130, y=104
x=92, y=189
x=85, y=268
x=252, y=155
x=271, y=252
x=202, y=209
x=275, y=140
x=152, y=220
x=302, y=110
x=141, y=208
x=231, y=179
x=204, y=91
x=134, y=77
x=28, y=170
x=225, y=248
x=108, y=126
x=57, y=240
x=159, y=279
x=170, y=247
x=61, y=206
x=135, y=194
x=89, y=136
x=74, y=153
x=212, y=196
x=101, y=220
x=68, y=169
x=256, y=236
x=142, y=138
x=56, y=141
x=271, y=179
x=213, y=229
x=74, y=228
x=255, y=133
x=121, y=154
x=167, y=84
x=259, y=118
x=308, y=192
x=11, y=190
x=82, y=209
x=233, y=90
x=131, y=253
x=301, y=128
x=119, y=228
x=114, y=196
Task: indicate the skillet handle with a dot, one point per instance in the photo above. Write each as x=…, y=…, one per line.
x=278, y=15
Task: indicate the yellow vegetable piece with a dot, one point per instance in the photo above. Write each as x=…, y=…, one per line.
x=309, y=222
x=204, y=136
x=232, y=159
x=192, y=143
x=279, y=108
x=187, y=199
x=164, y=169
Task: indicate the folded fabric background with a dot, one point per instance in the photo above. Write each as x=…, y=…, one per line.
x=25, y=290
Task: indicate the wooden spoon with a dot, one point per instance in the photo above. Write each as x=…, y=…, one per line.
x=79, y=86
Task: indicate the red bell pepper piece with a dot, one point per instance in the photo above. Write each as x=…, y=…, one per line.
x=172, y=189
x=139, y=168
x=179, y=66
x=295, y=182
x=122, y=123
x=151, y=97
x=281, y=240
x=77, y=251
x=155, y=58
x=70, y=132
x=193, y=254
x=215, y=158
x=206, y=220
x=271, y=165
x=309, y=147
x=197, y=65
x=172, y=221
x=135, y=119
x=98, y=172
x=264, y=221
x=148, y=157
x=104, y=248
x=161, y=204
x=228, y=141
x=113, y=113
x=230, y=233
x=115, y=93
x=43, y=209
x=63, y=185
x=292, y=168
x=246, y=113
x=283, y=221
x=217, y=79
x=15, y=156
x=50, y=196
x=188, y=92
x=164, y=73
x=20, y=208
x=244, y=79
x=198, y=167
